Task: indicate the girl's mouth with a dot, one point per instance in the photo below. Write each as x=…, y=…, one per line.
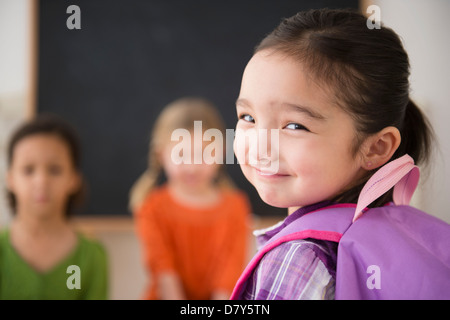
x=269, y=174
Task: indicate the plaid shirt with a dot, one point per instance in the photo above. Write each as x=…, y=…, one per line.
x=299, y=269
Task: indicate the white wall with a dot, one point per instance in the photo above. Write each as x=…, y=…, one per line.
x=423, y=27
x=15, y=59
x=14, y=35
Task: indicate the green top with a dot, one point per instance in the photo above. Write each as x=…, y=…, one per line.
x=18, y=280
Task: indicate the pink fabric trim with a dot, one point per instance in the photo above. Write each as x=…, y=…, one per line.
x=404, y=189
x=400, y=173
x=320, y=235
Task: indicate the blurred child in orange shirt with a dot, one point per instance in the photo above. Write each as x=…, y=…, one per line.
x=193, y=228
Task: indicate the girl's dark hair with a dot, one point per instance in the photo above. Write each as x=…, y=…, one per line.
x=367, y=72
x=50, y=124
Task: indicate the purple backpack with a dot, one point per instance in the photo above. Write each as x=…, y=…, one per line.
x=390, y=252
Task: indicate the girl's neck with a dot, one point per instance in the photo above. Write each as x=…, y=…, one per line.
x=198, y=197
x=42, y=241
x=36, y=226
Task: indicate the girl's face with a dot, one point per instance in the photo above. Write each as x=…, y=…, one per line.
x=191, y=176
x=41, y=175
x=313, y=152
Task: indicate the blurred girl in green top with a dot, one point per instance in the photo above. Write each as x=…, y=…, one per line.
x=41, y=257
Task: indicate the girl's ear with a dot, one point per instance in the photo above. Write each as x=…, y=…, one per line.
x=9, y=181
x=158, y=153
x=76, y=182
x=156, y=158
x=379, y=147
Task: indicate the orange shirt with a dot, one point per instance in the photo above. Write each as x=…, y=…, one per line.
x=206, y=247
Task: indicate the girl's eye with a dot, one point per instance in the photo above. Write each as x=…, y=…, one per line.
x=55, y=170
x=296, y=126
x=246, y=117
x=28, y=170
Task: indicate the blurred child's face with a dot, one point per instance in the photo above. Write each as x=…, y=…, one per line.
x=41, y=175
x=314, y=154
x=191, y=176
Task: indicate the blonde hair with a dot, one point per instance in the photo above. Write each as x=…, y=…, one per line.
x=181, y=113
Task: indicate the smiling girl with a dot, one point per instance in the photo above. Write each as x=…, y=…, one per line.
x=338, y=94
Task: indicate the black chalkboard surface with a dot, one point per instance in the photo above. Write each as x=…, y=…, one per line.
x=112, y=77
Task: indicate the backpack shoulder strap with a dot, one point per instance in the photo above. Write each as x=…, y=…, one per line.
x=400, y=173
x=327, y=223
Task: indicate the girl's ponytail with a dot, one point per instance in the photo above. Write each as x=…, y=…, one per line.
x=417, y=135
x=144, y=184
x=139, y=191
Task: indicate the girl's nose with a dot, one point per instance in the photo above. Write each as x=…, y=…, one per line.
x=263, y=147
x=41, y=179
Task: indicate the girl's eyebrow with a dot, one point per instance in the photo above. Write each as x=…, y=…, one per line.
x=290, y=106
x=243, y=102
x=305, y=110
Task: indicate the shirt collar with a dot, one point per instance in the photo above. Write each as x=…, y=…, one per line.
x=264, y=235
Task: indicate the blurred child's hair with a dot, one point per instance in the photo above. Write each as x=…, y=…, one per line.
x=53, y=125
x=181, y=113
x=367, y=72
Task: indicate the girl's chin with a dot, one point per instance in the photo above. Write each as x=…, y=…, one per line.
x=273, y=199
x=277, y=199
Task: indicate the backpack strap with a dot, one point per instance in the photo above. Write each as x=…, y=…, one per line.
x=328, y=223
x=400, y=173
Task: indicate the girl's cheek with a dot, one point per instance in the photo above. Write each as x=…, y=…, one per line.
x=239, y=146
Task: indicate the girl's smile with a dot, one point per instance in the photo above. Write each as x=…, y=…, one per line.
x=269, y=174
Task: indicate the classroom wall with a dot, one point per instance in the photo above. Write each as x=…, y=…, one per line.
x=15, y=63
x=421, y=24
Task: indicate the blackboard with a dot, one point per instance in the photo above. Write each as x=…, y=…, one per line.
x=111, y=78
